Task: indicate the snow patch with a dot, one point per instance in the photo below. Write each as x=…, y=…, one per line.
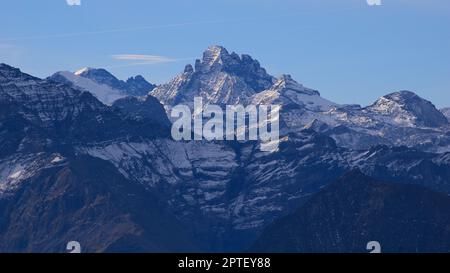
x=102, y=92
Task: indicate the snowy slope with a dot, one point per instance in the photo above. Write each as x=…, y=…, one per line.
x=17, y=168
x=103, y=92
x=103, y=85
x=446, y=112
x=406, y=109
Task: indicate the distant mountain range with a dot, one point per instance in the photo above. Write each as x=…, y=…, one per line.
x=87, y=157
x=400, y=118
x=103, y=85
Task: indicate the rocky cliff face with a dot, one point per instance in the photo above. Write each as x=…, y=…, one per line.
x=87, y=200
x=219, y=78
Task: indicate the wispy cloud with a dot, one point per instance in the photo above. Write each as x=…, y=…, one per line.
x=149, y=59
x=141, y=59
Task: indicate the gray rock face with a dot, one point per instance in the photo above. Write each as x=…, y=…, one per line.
x=146, y=109
x=239, y=190
x=138, y=86
x=219, y=78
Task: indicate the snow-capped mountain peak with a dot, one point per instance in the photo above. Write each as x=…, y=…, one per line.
x=82, y=71
x=408, y=109
x=102, y=84
x=99, y=75
x=219, y=77
x=102, y=92
x=214, y=57
x=134, y=86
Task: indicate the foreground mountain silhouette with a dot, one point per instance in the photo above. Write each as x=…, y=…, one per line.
x=87, y=200
x=357, y=209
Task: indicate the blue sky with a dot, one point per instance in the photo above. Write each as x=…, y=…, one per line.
x=350, y=51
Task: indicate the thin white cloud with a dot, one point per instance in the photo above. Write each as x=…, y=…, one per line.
x=143, y=58
x=140, y=59
x=73, y=2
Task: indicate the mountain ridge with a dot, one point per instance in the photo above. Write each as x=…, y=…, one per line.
x=75, y=203
x=218, y=79
x=403, y=219
x=103, y=85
